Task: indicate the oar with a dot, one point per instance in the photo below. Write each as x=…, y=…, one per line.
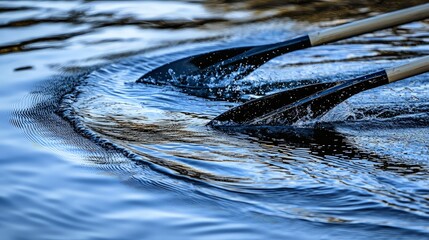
x=243, y=60
x=312, y=101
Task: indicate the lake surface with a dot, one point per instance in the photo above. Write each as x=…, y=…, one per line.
x=88, y=153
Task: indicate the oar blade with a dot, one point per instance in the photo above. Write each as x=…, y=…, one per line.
x=303, y=103
x=233, y=62
x=261, y=106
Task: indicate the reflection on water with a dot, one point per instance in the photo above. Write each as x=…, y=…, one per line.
x=361, y=172
x=313, y=11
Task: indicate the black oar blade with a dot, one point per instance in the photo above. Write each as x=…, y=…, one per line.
x=303, y=103
x=318, y=104
x=238, y=62
x=190, y=66
x=259, y=107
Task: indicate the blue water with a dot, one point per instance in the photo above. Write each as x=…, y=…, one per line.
x=90, y=154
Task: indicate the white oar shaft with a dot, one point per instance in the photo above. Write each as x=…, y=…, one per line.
x=421, y=65
x=379, y=22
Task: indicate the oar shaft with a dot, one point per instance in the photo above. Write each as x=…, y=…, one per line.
x=379, y=22
x=412, y=68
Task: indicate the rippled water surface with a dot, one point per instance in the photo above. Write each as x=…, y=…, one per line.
x=88, y=153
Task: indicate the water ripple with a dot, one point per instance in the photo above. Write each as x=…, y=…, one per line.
x=360, y=169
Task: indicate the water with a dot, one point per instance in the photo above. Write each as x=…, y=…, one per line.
x=90, y=154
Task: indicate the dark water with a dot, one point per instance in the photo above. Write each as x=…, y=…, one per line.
x=90, y=154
